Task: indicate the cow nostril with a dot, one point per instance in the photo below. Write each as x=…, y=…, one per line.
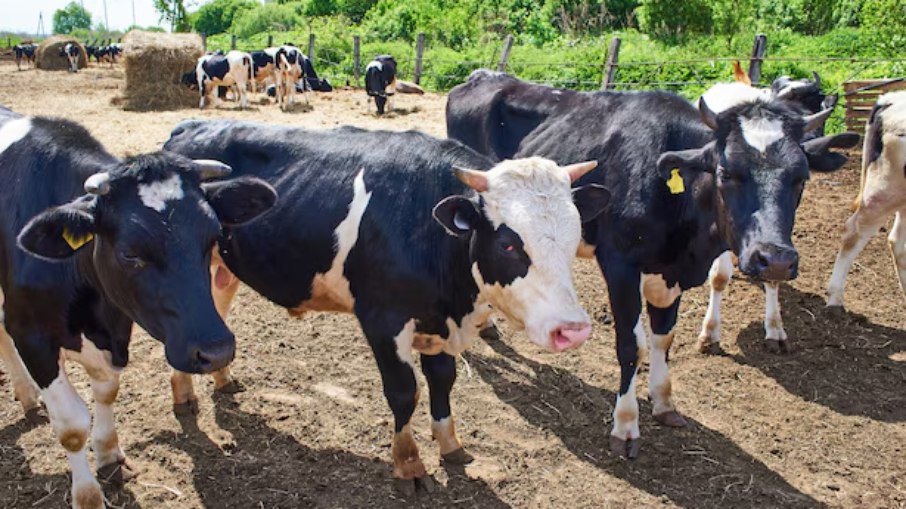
x=762, y=261
x=214, y=357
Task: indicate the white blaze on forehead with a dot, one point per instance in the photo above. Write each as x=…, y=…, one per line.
x=13, y=131
x=760, y=133
x=156, y=194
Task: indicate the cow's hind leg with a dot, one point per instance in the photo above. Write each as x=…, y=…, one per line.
x=440, y=371
x=858, y=230
x=718, y=279
x=897, y=242
x=775, y=338
x=660, y=388
x=24, y=388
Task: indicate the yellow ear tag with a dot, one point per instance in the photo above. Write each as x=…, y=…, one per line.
x=675, y=182
x=76, y=242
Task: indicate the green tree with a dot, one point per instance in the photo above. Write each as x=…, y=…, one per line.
x=71, y=17
x=730, y=17
x=265, y=18
x=673, y=21
x=174, y=12
x=886, y=24
x=217, y=17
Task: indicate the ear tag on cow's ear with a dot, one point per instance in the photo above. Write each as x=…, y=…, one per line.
x=675, y=182
x=76, y=242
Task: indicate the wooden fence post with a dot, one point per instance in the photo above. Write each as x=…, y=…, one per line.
x=419, y=53
x=270, y=40
x=505, y=54
x=758, y=50
x=204, y=41
x=613, y=61
x=9, y=42
x=232, y=42
x=356, y=58
x=311, y=47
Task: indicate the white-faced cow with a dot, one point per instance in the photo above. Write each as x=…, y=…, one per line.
x=288, y=61
x=71, y=52
x=687, y=184
x=231, y=70
x=90, y=244
x=380, y=81
x=419, y=237
x=25, y=52
x=882, y=193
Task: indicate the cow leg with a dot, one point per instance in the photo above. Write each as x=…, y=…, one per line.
x=440, y=371
x=224, y=285
x=112, y=464
x=24, y=388
x=857, y=231
x=718, y=278
x=659, y=386
x=897, y=242
x=626, y=301
x=774, y=335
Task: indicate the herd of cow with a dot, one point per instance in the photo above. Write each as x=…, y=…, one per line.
x=421, y=238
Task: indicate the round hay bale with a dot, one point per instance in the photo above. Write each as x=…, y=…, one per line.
x=48, y=58
x=155, y=63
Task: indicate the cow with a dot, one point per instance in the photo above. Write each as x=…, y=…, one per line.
x=688, y=184
x=89, y=245
x=232, y=69
x=882, y=193
x=262, y=66
x=71, y=52
x=380, y=81
x=288, y=71
x=418, y=237
x=25, y=52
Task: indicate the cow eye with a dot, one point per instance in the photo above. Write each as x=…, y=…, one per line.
x=132, y=260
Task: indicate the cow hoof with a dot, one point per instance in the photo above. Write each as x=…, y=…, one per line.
x=409, y=488
x=625, y=448
x=671, y=419
x=777, y=346
x=36, y=415
x=189, y=408
x=232, y=387
x=425, y=484
x=490, y=333
x=457, y=457
x=405, y=487
x=117, y=473
x=709, y=348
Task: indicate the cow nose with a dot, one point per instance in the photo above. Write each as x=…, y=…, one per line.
x=569, y=335
x=775, y=263
x=214, y=355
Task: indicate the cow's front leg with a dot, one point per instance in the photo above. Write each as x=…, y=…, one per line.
x=660, y=388
x=774, y=335
x=858, y=230
x=440, y=371
x=896, y=240
x=224, y=285
x=185, y=402
x=718, y=279
x=109, y=457
x=24, y=388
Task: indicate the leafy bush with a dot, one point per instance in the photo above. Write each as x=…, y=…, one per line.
x=71, y=17
x=217, y=17
x=264, y=18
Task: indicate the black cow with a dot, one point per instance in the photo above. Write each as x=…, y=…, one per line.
x=71, y=52
x=90, y=244
x=25, y=52
x=688, y=184
x=356, y=230
x=380, y=81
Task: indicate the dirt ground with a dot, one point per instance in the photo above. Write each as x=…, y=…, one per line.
x=824, y=426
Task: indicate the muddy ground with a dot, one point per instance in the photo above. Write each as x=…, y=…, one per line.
x=822, y=427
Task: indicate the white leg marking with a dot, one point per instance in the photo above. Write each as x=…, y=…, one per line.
x=718, y=278
x=897, y=242
x=626, y=414
x=404, y=343
x=104, y=439
x=659, y=385
x=773, y=323
x=641, y=339
x=859, y=229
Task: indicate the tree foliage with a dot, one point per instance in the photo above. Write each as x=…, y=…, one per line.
x=270, y=17
x=174, y=13
x=71, y=17
x=217, y=17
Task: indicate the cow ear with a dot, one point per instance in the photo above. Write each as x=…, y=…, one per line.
x=691, y=160
x=238, y=201
x=820, y=157
x=591, y=200
x=57, y=233
x=458, y=215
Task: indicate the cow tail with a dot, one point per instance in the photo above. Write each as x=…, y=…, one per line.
x=248, y=61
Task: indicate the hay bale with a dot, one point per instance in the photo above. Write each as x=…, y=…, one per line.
x=155, y=63
x=48, y=58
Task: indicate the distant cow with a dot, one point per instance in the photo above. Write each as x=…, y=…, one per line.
x=262, y=66
x=688, y=184
x=288, y=61
x=233, y=69
x=90, y=244
x=882, y=193
x=380, y=81
x=71, y=52
x=419, y=237
x=25, y=52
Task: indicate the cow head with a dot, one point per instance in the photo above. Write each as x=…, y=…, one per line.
x=760, y=165
x=148, y=227
x=805, y=95
x=523, y=229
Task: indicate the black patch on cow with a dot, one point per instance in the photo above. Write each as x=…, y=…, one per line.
x=500, y=254
x=216, y=67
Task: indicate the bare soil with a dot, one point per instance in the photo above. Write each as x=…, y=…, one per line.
x=824, y=426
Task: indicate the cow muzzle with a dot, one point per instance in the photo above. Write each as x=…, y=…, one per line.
x=569, y=335
x=770, y=262
x=205, y=357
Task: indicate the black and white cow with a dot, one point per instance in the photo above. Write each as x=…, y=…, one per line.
x=356, y=230
x=71, y=52
x=687, y=183
x=288, y=62
x=90, y=244
x=231, y=70
x=262, y=66
x=25, y=52
x=380, y=81
x=882, y=193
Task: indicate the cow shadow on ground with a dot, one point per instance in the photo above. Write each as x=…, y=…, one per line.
x=20, y=486
x=692, y=467
x=264, y=467
x=837, y=358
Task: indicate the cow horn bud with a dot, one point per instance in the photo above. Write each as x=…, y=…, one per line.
x=577, y=170
x=211, y=169
x=477, y=180
x=98, y=184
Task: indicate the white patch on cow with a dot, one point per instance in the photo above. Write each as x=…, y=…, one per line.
x=98, y=363
x=659, y=385
x=463, y=335
x=533, y=198
x=655, y=291
x=790, y=86
x=332, y=286
x=104, y=440
x=724, y=96
x=375, y=64
x=13, y=131
x=773, y=323
x=760, y=133
x=156, y=194
x=641, y=338
x=626, y=414
x=718, y=277
x=207, y=209
x=403, y=342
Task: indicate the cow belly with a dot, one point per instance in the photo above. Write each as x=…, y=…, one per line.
x=327, y=294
